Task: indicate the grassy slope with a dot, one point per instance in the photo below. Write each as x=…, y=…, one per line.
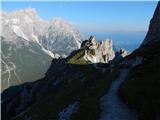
x=90, y=107
x=142, y=86
x=53, y=103
x=77, y=58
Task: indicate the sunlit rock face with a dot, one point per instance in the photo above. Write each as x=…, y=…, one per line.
x=98, y=52
x=153, y=34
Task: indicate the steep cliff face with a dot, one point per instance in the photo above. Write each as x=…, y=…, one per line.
x=140, y=90
x=153, y=34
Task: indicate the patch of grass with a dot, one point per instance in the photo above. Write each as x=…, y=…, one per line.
x=78, y=58
x=90, y=105
x=88, y=92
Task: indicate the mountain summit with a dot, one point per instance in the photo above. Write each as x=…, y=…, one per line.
x=61, y=37
x=26, y=24
x=29, y=44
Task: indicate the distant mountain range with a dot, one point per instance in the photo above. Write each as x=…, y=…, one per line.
x=77, y=87
x=29, y=43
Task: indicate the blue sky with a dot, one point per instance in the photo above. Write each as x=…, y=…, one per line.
x=126, y=23
x=94, y=16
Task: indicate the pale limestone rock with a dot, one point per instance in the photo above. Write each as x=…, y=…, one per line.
x=103, y=51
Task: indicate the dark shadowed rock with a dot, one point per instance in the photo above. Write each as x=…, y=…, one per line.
x=153, y=34
x=140, y=89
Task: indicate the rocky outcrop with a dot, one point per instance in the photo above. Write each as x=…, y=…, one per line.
x=153, y=34
x=123, y=52
x=95, y=51
x=103, y=50
x=119, y=55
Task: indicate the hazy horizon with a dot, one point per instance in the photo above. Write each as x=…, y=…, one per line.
x=123, y=22
x=94, y=16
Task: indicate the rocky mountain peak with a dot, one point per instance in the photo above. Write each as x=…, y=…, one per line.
x=92, y=39
x=31, y=12
x=30, y=42
x=91, y=43
x=153, y=34
x=58, y=21
x=94, y=51
x=61, y=34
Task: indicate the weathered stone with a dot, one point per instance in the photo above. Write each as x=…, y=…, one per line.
x=103, y=51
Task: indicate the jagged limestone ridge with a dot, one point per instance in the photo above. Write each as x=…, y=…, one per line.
x=93, y=51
